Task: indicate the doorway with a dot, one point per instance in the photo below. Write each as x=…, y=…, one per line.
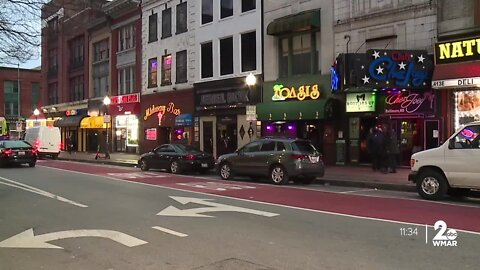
x=207, y=131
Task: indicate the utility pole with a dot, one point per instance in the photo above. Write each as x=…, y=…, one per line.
x=18, y=91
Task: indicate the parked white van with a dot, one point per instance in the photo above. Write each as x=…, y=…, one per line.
x=47, y=140
x=452, y=168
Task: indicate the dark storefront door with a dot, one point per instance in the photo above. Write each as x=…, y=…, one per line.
x=92, y=140
x=432, y=134
x=208, y=137
x=226, y=138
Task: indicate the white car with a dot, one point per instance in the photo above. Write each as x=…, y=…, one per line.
x=452, y=168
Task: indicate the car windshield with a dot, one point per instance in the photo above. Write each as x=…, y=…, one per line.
x=304, y=146
x=15, y=144
x=188, y=148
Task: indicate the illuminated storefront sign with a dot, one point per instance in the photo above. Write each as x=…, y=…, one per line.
x=170, y=108
x=393, y=68
x=360, y=102
x=151, y=134
x=410, y=102
x=71, y=112
x=467, y=107
x=130, y=98
x=282, y=93
x=461, y=50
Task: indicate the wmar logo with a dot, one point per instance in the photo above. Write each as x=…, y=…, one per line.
x=445, y=237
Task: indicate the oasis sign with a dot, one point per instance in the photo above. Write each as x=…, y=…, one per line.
x=460, y=50
x=281, y=93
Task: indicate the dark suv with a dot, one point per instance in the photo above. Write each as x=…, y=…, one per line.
x=278, y=158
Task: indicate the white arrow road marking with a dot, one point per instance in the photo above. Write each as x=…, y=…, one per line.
x=38, y=191
x=27, y=239
x=172, y=232
x=214, y=207
x=135, y=175
x=218, y=186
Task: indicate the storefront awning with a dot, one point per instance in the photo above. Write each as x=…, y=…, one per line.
x=305, y=21
x=292, y=110
x=466, y=74
x=185, y=119
x=70, y=121
x=93, y=122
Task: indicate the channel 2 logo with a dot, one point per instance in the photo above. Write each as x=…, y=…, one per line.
x=445, y=237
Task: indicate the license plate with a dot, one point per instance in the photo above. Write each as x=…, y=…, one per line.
x=204, y=165
x=313, y=159
x=21, y=153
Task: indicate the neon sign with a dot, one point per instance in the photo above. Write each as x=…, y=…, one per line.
x=160, y=110
x=130, y=98
x=334, y=79
x=282, y=93
x=410, y=103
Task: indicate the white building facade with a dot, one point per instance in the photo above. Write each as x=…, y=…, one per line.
x=228, y=39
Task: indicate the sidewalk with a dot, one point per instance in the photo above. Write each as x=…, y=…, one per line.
x=350, y=176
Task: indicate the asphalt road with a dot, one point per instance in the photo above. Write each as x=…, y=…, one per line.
x=85, y=216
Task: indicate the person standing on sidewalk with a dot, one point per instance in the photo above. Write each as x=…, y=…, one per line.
x=380, y=151
x=371, y=147
x=393, y=150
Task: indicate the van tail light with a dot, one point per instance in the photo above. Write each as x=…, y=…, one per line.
x=7, y=152
x=190, y=157
x=61, y=145
x=299, y=156
x=37, y=144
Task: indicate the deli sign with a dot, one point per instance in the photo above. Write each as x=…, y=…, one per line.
x=454, y=51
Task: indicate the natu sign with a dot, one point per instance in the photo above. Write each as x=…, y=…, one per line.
x=461, y=50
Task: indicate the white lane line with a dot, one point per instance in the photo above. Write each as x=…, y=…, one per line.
x=355, y=191
x=165, y=230
x=38, y=191
x=279, y=205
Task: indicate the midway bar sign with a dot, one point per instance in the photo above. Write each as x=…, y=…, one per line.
x=460, y=50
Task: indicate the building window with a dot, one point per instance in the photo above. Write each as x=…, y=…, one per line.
x=53, y=26
x=101, y=50
x=226, y=56
x=152, y=28
x=126, y=37
x=10, y=96
x=181, y=64
x=52, y=93
x=152, y=72
x=52, y=62
x=76, y=52
x=249, y=51
x=76, y=88
x=167, y=23
x=207, y=11
x=182, y=18
x=167, y=69
x=35, y=95
x=226, y=9
x=100, y=85
x=207, y=60
x=126, y=80
x=298, y=53
x=248, y=5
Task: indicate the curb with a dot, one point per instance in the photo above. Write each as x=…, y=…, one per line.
x=321, y=181
x=365, y=184
x=100, y=162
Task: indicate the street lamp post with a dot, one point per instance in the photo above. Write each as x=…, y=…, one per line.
x=107, y=120
x=251, y=80
x=36, y=112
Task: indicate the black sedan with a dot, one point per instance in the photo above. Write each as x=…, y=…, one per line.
x=177, y=158
x=17, y=152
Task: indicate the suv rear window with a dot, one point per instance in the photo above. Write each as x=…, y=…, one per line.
x=303, y=146
x=15, y=144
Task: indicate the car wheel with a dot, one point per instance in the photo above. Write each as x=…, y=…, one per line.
x=432, y=185
x=278, y=175
x=144, y=165
x=174, y=167
x=31, y=164
x=226, y=171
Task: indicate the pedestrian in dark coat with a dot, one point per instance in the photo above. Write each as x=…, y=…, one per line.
x=393, y=150
x=380, y=151
x=371, y=147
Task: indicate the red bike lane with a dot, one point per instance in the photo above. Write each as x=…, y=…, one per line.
x=394, y=209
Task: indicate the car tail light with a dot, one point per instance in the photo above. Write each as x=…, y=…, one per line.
x=7, y=152
x=190, y=157
x=34, y=151
x=61, y=146
x=37, y=144
x=299, y=156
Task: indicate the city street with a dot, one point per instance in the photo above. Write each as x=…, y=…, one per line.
x=67, y=215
